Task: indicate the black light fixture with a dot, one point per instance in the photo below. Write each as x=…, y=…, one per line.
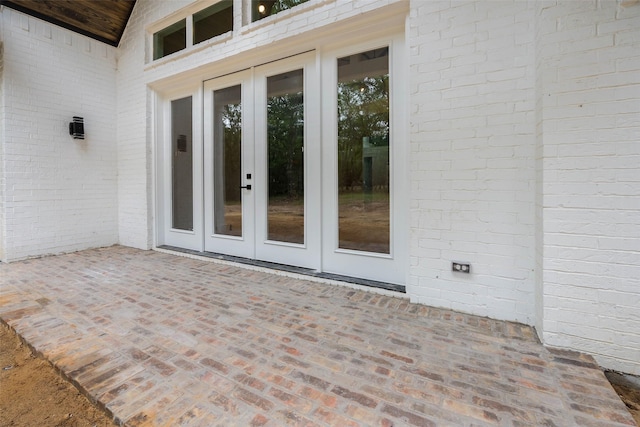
x=76, y=128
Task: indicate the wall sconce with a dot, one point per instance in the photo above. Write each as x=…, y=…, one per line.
x=76, y=128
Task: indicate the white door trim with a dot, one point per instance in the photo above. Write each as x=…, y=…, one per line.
x=320, y=251
x=188, y=239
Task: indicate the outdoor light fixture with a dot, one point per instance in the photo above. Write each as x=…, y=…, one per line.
x=76, y=128
x=262, y=8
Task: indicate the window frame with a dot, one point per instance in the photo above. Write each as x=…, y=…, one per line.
x=187, y=14
x=218, y=10
x=178, y=25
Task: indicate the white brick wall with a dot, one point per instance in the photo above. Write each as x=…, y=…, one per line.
x=2, y=137
x=589, y=64
x=539, y=212
x=524, y=141
x=58, y=194
x=473, y=156
x=135, y=135
x=486, y=151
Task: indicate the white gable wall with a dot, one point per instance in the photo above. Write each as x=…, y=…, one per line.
x=59, y=194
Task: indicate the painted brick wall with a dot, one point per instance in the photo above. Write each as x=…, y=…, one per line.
x=590, y=117
x=473, y=156
x=135, y=130
x=539, y=235
x=2, y=138
x=59, y=194
x=503, y=174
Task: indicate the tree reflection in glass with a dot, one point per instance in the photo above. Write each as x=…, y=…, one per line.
x=263, y=8
x=363, y=151
x=285, y=144
x=227, y=170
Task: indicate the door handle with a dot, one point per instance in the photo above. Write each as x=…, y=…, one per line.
x=248, y=187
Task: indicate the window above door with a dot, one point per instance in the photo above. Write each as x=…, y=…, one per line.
x=189, y=29
x=261, y=9
x=203, y=23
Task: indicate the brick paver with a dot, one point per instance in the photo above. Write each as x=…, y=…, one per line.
x=159, y=339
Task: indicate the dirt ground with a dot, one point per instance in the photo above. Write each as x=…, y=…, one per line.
x=33, y=394
x=628, y=388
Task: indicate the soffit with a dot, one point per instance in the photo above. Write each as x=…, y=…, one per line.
x=103, y=20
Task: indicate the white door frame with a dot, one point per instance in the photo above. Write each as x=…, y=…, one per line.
x=167, y=235
x=320, y=250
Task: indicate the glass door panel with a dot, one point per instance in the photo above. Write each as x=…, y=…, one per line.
x=181, y=164
x=179, y=170
x=285, y=140
x=363, y=151
x=227, y=159
x=228, y=164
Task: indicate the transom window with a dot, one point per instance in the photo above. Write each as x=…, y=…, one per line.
x=213, y=21
x=197, y=26
x=204, y=24
x=170, y=39
x=262, y=8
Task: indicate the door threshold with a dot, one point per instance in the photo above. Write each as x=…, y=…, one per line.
x=290, y=269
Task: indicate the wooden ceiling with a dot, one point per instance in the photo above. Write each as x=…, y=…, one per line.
x=103, y=20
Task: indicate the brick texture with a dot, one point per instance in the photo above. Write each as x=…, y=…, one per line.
x=57, y=194
x=589, y=62
x=523, y=147
x=472, y=156
x=161, y=340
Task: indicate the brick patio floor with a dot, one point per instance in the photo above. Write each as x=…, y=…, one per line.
x=163, y=340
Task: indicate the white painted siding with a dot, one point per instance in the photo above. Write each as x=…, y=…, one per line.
x=59, y=194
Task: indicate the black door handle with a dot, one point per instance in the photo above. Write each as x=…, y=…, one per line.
x=248, y=187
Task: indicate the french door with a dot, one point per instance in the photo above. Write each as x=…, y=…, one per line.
x=261, y=186
x=301, y=161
